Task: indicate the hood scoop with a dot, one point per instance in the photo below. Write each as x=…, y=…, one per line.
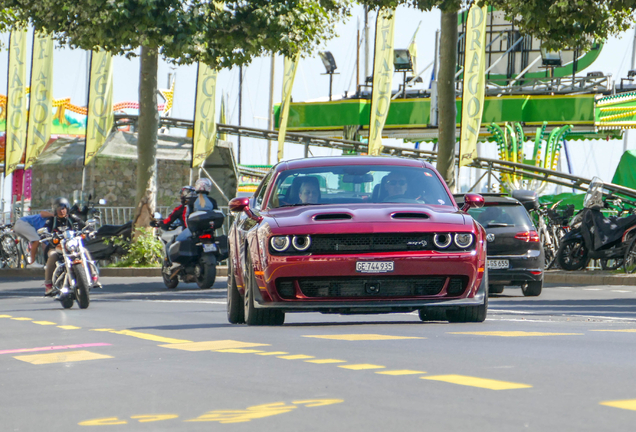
x=409, y=215
x=332, y=216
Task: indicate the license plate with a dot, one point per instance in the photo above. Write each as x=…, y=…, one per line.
x=374, y=266
x=209, y=247
x=498, y=264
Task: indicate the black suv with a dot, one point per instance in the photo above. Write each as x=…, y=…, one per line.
x=515, y=253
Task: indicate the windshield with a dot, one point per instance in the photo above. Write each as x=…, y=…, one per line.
x=594, y=195
x=358, y=184
x=501, y=216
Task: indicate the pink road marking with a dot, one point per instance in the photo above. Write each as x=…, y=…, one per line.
x=51, y=348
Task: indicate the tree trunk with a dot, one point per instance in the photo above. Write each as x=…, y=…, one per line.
x=147, y=140
x=446, y=98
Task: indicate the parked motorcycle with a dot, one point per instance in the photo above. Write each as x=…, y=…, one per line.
x=75, y=273
x=593, y=235
x=195, y=258
x=101, y=246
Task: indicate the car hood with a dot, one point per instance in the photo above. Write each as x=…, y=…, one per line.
x=407, y=217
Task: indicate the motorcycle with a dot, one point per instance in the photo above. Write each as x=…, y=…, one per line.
x=195, y=258
x=100, y=245
x=594, y=235
x=75, y=272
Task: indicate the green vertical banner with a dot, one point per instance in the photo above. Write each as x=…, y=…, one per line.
x=100, y=103
x=382, y=78
x=204, y=134
x=474, y=84
x=16, y=102
x=41, y=100
x=289, y=73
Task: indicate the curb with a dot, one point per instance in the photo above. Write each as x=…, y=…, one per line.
x=596, y=277
x=105, y=272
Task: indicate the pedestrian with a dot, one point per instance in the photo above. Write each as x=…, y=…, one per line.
x=28, y=226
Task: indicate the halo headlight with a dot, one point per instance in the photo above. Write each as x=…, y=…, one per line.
x=442, y=241
x=463, y=240
x=301, y=243
x=280, y=243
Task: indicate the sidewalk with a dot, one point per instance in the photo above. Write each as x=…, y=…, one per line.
x=596, y=277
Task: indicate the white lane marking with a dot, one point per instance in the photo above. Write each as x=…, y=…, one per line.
x=592, y=289
x=620, y=291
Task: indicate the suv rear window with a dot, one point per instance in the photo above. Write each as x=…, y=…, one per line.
x=501, y=216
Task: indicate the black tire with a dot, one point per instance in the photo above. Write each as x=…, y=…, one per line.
x=532, y=289
x=495, y=289
x=235, y=311
x=169, y=283
x=572, y=254
x=253, y=316
x=466, y=314
x=67, y=302
x=432, y=314
x=81, y=286
x=206, y=273
x=629, y=262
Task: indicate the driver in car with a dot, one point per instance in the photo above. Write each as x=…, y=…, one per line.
x=309, y=192
x=395, y=186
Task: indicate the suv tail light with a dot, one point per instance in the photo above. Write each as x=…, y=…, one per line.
x=528, y=236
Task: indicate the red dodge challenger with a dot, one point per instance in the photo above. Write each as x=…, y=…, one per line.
x=355, y=235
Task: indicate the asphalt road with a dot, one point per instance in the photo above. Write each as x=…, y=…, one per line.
x=145, y=358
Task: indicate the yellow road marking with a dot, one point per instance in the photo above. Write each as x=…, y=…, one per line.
x=212, y=345
x=361, y=366
x=629, y=404
x=61, y=357
x=325, y=361
x=145, y=336
x=401, y=372
x=477, y=382
x=296, y=357
x=44, y=322
x=361, y=337
x=239, y=351
x=153, y=417
x=69, y=327
x=272, y=353
x=617, y=331
x=103, y=330
x=239, y=416
x=514, y=333
x=103, y=422
x=5, y=316
x=318, y=402
x=22, y=319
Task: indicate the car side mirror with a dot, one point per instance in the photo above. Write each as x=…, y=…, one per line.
x=243, y=205
x=472, y=201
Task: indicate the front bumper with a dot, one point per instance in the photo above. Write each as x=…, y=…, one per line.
x=425, y=264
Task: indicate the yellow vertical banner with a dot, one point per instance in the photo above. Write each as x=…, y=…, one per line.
x=41, y=100
x=474, y=83
x=204, y=134
x=382, y=78
x=16, y=102
x=289, y=74
x=100, y=103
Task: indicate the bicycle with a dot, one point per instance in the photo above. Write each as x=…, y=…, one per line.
x=9, y=255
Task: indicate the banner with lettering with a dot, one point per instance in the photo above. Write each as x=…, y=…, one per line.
x=100, y=103
x=474, y=83
x=204, y=134
x=16, y=102
x=289, y=73
x=382, y=78
x=41, y=100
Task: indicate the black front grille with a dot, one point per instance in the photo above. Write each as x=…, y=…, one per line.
x=372, y=287
x=360, y=243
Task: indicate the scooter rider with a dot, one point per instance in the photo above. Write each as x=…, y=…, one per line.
x=60, y=221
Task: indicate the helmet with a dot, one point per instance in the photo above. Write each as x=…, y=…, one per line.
x=186, y=191
x=59, y=203
x=203, y=185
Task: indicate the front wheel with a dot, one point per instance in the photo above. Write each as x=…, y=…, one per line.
x=572, y=254
x=467, y=314
x=170, y=283
x=81, y=286
x=205, y=273
x=254, y=316
x=629, y=262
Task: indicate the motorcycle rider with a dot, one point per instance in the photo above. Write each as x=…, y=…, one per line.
x=181, y=211
x=203, y=202
x=60, y=221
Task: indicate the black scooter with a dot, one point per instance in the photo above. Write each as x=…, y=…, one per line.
x=194, y=259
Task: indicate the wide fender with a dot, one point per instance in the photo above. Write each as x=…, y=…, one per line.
x=208, y=259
